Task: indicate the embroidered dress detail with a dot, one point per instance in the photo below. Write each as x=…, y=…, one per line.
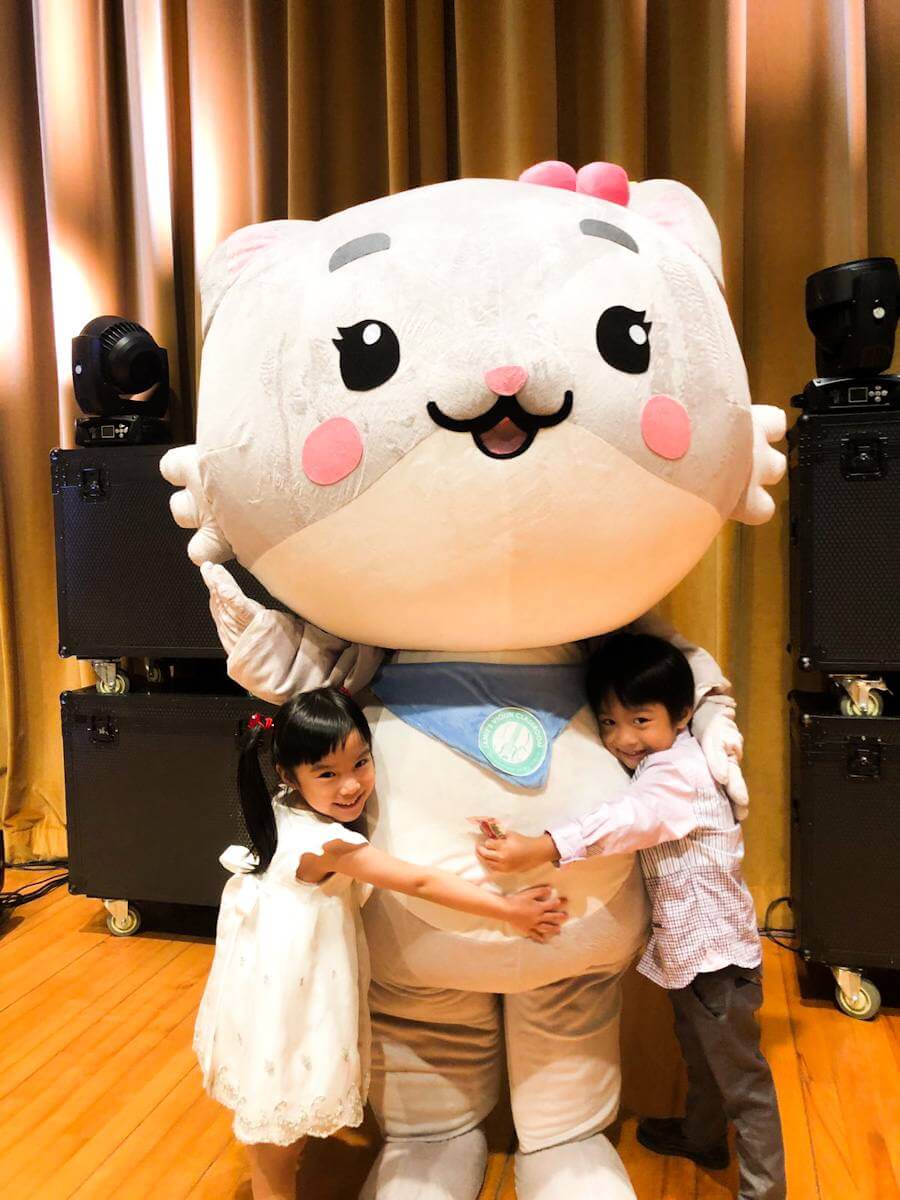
x=282, y=1124
x=505, y=717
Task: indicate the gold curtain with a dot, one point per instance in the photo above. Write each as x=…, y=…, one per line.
x=135, y=134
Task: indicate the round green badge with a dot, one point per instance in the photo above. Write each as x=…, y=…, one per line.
x=513, y=740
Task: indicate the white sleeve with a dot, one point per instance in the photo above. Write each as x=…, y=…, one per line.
x=317, y=840
x=349, y=837
x=278, y=655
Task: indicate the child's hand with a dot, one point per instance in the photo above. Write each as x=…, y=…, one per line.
x=516, y=852
x=537, y=912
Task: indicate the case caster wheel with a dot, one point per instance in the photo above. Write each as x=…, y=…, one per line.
x=110, y=680
x=861, y=695
x=119, y=685
x=122, y=919
x=861, y=1002
x=873, y=707
x=155, y=674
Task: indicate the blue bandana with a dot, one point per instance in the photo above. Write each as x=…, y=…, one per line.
x=503, y=717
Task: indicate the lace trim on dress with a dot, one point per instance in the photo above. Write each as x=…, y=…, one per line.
x=284, y=1124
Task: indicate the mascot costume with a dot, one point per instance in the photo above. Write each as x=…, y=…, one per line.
x=479, y=423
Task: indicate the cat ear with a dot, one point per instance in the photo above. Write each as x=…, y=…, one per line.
x=679, y=210
x=232, y=256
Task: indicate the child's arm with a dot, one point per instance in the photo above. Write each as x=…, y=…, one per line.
x=536, y=912
x=657, y=807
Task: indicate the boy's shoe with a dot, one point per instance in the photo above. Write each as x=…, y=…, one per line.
x=663, y=1135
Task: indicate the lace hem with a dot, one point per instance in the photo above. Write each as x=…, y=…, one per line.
x=284, y=1123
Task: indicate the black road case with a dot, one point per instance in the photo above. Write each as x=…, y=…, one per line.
x=125, y=585
x=845, y=834
x=151, y=793
x=845, y=542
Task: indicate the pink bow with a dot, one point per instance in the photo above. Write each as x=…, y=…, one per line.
x=604, y=180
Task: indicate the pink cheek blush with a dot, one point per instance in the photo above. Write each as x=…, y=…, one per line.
x=666, y=427
x=332, y=451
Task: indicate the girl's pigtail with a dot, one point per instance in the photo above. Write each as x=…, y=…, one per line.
x=255, y=800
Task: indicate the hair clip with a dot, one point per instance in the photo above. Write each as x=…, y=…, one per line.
x=346, y=692
x=258, y=722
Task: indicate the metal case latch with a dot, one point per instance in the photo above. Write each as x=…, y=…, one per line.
x=863, y=758
x=92, y=483
x=102, y=729
x=862, y=457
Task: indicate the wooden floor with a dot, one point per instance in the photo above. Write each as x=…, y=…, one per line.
x=100, y=1098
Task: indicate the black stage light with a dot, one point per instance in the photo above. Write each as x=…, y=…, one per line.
x=851, y=310
x=121, y=375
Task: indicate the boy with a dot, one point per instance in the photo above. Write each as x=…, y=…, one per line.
x=704, y=946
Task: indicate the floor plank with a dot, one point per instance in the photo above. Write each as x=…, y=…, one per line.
x=103, y=982
x=100, y=1095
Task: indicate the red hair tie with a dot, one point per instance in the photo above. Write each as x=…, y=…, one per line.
x=258, y=722
x=345, y=692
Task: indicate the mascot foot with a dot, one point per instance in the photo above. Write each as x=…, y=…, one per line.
x=414, y=1169
x=584, y=1170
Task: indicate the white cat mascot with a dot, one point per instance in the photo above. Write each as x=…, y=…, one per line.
x=477, y=422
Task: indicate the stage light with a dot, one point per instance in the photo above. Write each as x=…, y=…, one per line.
x=851, y=310
x=120, y=374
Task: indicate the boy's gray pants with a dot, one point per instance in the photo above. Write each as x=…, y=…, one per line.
x=728, y=1078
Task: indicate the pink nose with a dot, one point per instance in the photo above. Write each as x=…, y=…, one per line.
x=506, y=381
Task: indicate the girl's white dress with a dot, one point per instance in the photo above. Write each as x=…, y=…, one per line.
x=282, y=1034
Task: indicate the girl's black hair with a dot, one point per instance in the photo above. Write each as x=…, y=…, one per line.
x=639, y=669
x=307, y=728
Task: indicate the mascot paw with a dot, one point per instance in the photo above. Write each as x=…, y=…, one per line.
x=756, y=505
x=582, y=1170
x=190, y=507
x=418, y=1170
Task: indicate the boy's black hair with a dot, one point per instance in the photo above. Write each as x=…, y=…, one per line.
x=307, y=728
x=639, y=669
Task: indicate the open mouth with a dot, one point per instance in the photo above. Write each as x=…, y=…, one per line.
x=348, y=803
x=506, y=429
x=631, y=760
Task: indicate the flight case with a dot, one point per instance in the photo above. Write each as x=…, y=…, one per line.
x=125, y=585
x=845, y=838
x=151, y=794
x=845, y=541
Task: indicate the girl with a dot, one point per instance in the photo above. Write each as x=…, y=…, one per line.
x=282, y=1033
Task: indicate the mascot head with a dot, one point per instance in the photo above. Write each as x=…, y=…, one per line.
x=483, y=414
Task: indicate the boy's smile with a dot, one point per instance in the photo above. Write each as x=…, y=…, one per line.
x=632, y=733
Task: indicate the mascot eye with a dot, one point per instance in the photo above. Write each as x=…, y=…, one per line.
x=370, y=354
x=623, y=338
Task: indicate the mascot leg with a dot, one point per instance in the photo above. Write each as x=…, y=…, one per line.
x=436, y=1059
x=562, y=1045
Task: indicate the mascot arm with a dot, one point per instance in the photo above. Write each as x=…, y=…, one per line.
x=274, y=655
